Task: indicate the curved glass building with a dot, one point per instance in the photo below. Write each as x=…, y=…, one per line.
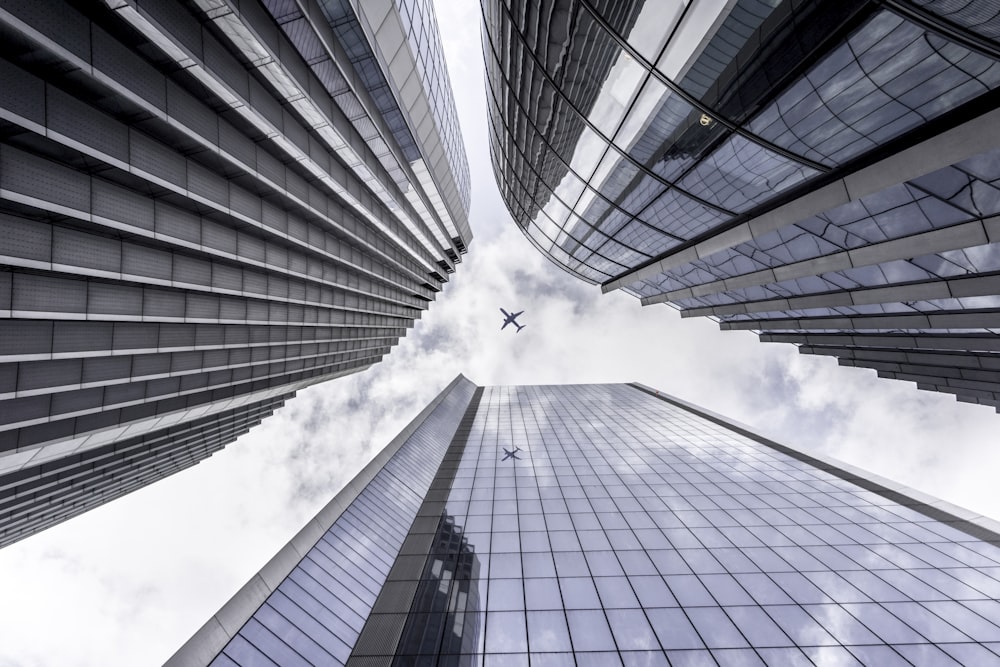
x=825, y=173
x=205, y=206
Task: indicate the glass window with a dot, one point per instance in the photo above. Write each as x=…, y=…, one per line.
x=547, y=631
x=579, y=593
x=590, y=631
x=505, y=595
x=616, y=592
x=757, y=626
x=506, y=632
x=542, y=594
x=673, y=629
x=631, y=630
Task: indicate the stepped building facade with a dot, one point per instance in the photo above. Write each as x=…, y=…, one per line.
x=823, y=173
x=612, y=525
x=204, y=207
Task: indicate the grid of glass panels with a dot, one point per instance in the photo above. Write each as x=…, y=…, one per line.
x=358, y=85
x=623, y=134
x=345, y=24
x=316, y=614
x=960, y=193
x=626, y=531
x=420, y=26
x=629, y=140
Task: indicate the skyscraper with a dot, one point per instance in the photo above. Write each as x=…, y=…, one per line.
x=823, y=173
x=205, y=206
x=611, y=524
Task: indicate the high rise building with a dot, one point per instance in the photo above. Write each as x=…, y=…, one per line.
x=608, y=525
x=205, y=206
x=824, y=173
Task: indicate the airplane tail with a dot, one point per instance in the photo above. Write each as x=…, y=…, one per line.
x=519, y=327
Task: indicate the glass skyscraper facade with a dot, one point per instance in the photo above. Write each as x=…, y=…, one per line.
x=823, y=173
x=613, y=525
x=205, y=206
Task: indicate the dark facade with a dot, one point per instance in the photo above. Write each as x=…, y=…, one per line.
x=630, y=528
x=444, y=615
x=205, y=207
x=823, y=173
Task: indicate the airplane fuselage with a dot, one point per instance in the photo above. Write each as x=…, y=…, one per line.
x=511, y=318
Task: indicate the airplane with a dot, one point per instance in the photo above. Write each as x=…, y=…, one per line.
x=512, y=319
x=507, y=454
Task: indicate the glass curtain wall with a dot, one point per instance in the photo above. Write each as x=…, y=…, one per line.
x=609, y=525
x=825, y=173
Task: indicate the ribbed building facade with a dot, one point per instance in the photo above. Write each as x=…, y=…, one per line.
x=823, y=173
x=629, y=528
x=205, y=206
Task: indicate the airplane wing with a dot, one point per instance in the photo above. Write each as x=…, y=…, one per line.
x=505, y=325
x=517, y=314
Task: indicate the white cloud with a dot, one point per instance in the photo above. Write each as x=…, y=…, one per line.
x=127, y=583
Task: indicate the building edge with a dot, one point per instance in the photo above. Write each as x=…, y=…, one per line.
x=215, y=634
x=972, y=523
x=211, y=638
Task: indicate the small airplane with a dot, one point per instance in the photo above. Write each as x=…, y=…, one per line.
x=508, y=454
x=511, y=319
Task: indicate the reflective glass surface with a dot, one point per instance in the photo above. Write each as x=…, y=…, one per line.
x=739, y=107
x=701, y=154
x=599, y=524
x=317, y=613
x=420, y=26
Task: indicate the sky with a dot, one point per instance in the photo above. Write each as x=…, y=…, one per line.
x=129, y=582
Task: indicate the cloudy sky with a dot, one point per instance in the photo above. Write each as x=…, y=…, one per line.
x=128, y=583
